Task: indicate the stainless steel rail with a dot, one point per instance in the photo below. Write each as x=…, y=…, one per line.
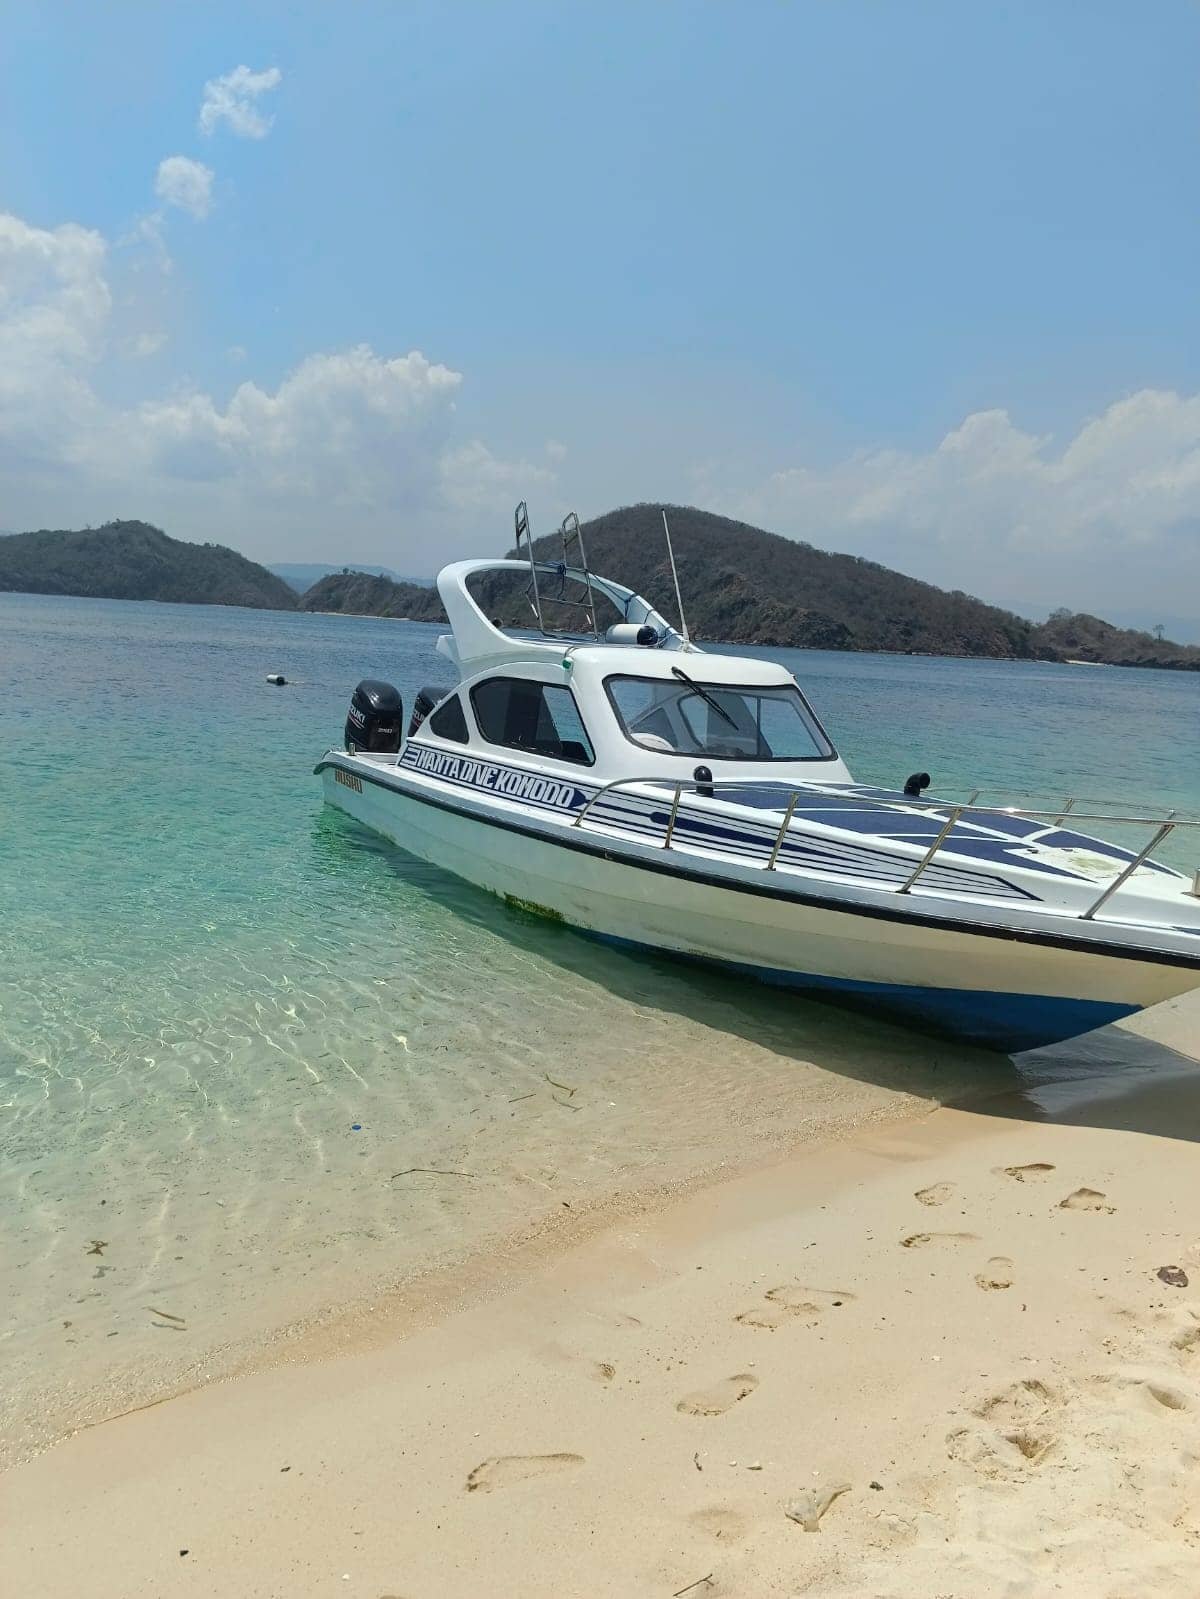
x=954, y=813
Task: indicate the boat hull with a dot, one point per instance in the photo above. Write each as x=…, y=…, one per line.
x=992, y=988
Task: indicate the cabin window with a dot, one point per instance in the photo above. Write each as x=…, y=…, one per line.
x=449, y=722
x=717, y=721
x=540, y=717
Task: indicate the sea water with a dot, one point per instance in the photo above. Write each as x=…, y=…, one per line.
x=257, y=1065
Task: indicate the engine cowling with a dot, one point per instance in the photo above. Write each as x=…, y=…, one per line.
x=375, y=718
x=428, y=696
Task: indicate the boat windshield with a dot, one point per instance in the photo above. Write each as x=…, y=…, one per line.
x=723, y=723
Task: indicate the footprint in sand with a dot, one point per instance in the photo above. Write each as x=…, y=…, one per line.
x=1018, y=1430
x=719, y=1522
x=1027, y=1399
x=937, y=1240
x=1152, y=1389
x=998, y=1273
x=501, y=1471
x=722, y=1396
x=1025, y=1174
x=935, y=1194
x=793, y=1301
x=1086, y=1199
x=601, y=1371
x=999, y=1455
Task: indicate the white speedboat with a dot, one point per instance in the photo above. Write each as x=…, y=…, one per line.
x=624, y=781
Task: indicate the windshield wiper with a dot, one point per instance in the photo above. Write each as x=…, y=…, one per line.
x=705, y=696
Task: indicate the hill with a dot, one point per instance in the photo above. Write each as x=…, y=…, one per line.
x=301, y=575
x=1079, y=637
x=746, y=586
x=134, y=561
x=364, y=594
x=740, y=585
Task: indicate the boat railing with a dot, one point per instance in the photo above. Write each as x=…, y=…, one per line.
x=1021, y=803
x=571, y=533
x=951, y=814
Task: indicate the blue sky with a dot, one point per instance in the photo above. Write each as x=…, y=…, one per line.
x=917, y=281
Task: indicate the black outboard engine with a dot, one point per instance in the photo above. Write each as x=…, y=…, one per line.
x=432, y=694
x=375, y=717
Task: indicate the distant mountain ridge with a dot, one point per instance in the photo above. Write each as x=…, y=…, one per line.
x=301, y=575
x=134, y=561
x=742, y=585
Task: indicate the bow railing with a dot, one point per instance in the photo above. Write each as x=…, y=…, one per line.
x=950, y=813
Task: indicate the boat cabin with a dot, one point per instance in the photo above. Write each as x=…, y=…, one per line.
x=637, y=699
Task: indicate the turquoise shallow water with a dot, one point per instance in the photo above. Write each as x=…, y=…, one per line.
x=228, y=1017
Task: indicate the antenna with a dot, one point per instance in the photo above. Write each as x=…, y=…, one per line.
x=675, y=575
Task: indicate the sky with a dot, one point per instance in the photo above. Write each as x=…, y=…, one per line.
x=916, y=281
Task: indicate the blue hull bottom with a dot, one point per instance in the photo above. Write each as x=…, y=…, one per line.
x=1005, y=1022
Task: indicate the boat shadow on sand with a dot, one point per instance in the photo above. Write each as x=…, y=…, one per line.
x=1097, y=1079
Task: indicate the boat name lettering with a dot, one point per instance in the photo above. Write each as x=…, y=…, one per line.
x=348, y=779
x=496, y=779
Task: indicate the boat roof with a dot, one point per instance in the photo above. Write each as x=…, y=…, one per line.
x=477, y=643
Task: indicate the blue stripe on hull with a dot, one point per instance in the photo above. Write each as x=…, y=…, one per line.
x=1005, y=1022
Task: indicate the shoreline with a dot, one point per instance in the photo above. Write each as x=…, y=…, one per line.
x=915, y=1304
x=375, y=1306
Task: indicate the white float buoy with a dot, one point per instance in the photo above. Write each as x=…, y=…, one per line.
x=277, y=678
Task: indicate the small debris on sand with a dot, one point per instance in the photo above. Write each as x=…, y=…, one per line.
x=808, y=1509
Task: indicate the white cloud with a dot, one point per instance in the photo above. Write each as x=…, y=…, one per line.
x=349, y=444
x=54, y=312
x=149, y=343
x=185, y=183
x=349, y=428
x=233, y=99
x=1004, y=512
x=147, y=234
x=365, y=446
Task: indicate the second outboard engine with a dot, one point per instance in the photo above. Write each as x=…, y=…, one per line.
x=427, y=697
x=373, y=722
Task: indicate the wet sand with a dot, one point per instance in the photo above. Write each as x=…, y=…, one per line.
x=955, y=1355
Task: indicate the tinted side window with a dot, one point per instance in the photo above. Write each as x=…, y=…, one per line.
x=541, y=717
x=449, y=722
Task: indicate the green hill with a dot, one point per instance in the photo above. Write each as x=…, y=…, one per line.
x=1086, y=638
x=746, y=586
x=366, y=594
x=134, y=561
x=740, y=585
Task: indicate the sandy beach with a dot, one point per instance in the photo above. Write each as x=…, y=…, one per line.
x=949, y=1356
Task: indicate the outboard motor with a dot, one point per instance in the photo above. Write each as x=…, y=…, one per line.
x=432, y=694
x=374, y=719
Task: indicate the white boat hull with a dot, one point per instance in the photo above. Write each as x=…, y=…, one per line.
x=992, y=986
